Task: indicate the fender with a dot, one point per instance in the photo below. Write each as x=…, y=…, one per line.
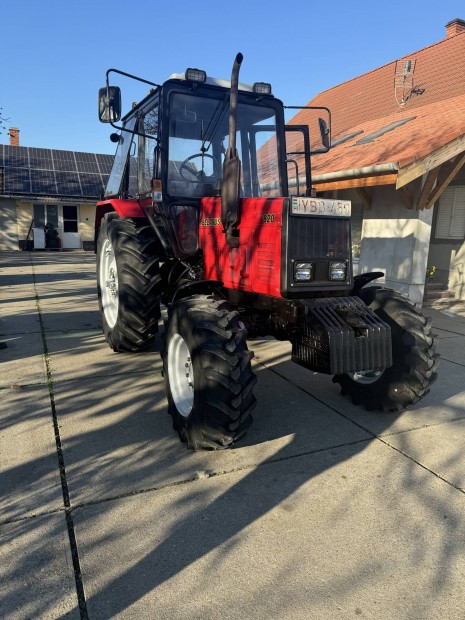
x=365, y=278
x=124, y=208
x=198, y=287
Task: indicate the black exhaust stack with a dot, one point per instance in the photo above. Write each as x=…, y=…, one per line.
x=230, y=187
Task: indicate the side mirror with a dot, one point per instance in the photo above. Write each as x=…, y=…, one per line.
x=109, y=104
x=324, y=133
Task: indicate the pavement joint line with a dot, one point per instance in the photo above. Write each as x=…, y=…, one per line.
x=422, y=427
x=435, y=474
x=22, y=386
x=452, y=336
x=299, y=387
x=206, y=475
x=373, y=435
x=61, y=463
x=449, y=331
x=198, y=476
x=53, y=331
x=451, y=361
x=113, y=374
x=35, y=515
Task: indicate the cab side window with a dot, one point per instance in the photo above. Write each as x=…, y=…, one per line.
x=146, y=165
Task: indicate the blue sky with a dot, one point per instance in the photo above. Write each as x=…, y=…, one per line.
x=56, y=53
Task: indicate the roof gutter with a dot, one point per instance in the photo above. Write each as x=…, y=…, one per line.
x=354, y=173
x=65, y=200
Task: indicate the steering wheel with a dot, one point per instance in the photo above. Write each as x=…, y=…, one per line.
x=199, y=175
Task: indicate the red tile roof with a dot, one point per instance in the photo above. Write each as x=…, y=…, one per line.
x=434, y=101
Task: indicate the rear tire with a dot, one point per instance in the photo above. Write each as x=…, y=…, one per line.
x=414, y=358
x=128, y=283
x=208, y=374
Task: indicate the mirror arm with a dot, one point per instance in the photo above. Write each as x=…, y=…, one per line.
x=133, y=77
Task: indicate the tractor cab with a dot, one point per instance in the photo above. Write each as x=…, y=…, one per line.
x=171, y=149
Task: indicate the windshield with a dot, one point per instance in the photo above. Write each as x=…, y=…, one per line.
x=198, y=138
x=121, y=157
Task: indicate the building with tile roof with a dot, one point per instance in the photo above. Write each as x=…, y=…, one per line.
x=48, y=196
x=398, y=136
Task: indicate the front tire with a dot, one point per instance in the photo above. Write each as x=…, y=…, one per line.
x=208, y=374
x=414, y=361
x=128, y=283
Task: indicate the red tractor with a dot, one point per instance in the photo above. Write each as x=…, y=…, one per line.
x=197, y=216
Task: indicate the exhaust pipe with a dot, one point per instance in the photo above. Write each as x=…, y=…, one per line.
x=230, y=186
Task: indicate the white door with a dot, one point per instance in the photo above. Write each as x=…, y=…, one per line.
x=70, y=237
x=43, y=217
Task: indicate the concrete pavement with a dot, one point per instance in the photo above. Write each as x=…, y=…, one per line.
x=324, y=511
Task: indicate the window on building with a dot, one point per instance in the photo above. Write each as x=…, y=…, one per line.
x=451, y=214
x=45, y=214
x=70, y=219
x=39, y=216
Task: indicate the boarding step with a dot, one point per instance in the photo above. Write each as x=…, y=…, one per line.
x=435, y=291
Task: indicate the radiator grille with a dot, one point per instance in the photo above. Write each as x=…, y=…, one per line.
x=319, y=237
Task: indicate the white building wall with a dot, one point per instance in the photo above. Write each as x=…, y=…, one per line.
x=8, y=225
x=457, y=273
x=396, y=240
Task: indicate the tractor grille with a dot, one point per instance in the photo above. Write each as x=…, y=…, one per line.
x=318, y=237
x=340, y=335
x=317, y=240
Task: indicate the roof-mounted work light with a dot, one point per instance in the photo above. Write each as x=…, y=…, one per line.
x=262, y=88
x=195, y=75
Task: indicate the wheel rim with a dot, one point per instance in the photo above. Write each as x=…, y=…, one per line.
x=181, y=375
x=366, y=377
x=109, y=283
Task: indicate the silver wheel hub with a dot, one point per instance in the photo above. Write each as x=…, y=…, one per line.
x=109, y=283
x=181, y=375
x=366, y=377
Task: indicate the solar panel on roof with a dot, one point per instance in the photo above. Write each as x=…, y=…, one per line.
x=17, y=181
x=105, y=163
x=68, y=183
x=43, y=182
x=40, y=158
x=15, y=157
x=64, y=160
x=49, y=172
x=91, y=184
x=86, y=162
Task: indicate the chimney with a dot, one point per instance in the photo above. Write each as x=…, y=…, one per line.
x=14, y=136
x=455, y=26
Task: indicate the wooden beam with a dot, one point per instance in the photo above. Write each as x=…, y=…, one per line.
x=364, y=197
x=433, y=160
x=385, y=179
x=445, y=176
x=428, y=185
x=406, y=197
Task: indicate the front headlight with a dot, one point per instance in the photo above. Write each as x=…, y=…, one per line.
x=337, y=271
x=303, y=272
